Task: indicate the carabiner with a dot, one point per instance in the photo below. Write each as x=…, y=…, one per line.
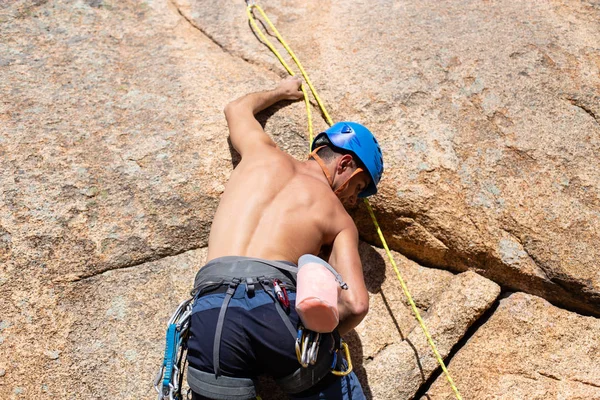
x=157, y=380
x=299, y=343
x=314, y=350
x=281, y=294
x=344, y=346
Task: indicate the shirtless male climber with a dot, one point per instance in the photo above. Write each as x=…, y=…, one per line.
x=277, y=208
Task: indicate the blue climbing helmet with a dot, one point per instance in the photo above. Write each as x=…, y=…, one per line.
x=354, y=138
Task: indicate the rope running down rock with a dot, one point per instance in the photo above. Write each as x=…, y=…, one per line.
x=249, y=10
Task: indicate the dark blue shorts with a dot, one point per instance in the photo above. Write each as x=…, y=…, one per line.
x=255, y=341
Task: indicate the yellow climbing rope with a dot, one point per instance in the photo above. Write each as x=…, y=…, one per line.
x=253, y=6
x=286, y=66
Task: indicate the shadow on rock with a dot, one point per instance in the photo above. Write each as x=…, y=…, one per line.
x=235, y=156
x=403, y=337
x=356, y=353
x=373, y=267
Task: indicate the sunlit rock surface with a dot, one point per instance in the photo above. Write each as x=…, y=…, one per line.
x=114, y=152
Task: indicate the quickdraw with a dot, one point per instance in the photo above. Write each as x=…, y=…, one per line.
x=169, y=377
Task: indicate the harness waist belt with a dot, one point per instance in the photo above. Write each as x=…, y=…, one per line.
x=223, y=270
x=230, y=272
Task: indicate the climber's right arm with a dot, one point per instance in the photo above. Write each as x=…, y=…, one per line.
x=245, y=132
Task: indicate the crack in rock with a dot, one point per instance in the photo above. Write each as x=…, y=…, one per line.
x=213, y=39
x=382, y=348
x=586, y=382
x=531, y=257
x=556, y=378
x=193, y=25
x=153, y=258
x=548, y=375
x=578, y=103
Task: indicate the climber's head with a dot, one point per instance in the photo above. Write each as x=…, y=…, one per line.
x=353, y=152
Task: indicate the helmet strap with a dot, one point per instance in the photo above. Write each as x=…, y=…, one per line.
x=319, y=161
x=344, y=185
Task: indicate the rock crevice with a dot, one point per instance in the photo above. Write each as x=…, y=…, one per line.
x=580, y=104
x=157, y=256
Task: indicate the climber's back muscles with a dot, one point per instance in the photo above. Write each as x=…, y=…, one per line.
x=275, y=207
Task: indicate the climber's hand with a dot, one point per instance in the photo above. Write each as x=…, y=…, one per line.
x=289, y=88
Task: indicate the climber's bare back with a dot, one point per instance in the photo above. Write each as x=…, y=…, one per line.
x=277, y=208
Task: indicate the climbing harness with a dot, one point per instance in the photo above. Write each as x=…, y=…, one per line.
x=320, y=353
x=169, y=378
x=251, y=6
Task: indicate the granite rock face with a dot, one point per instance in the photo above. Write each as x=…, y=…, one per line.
x=489, y=118
x=528, y=349
x=113, y=155
x=115, y=336
x=402, y=367
x=390, y=353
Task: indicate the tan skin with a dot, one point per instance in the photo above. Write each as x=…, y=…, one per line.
x=275, y=207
